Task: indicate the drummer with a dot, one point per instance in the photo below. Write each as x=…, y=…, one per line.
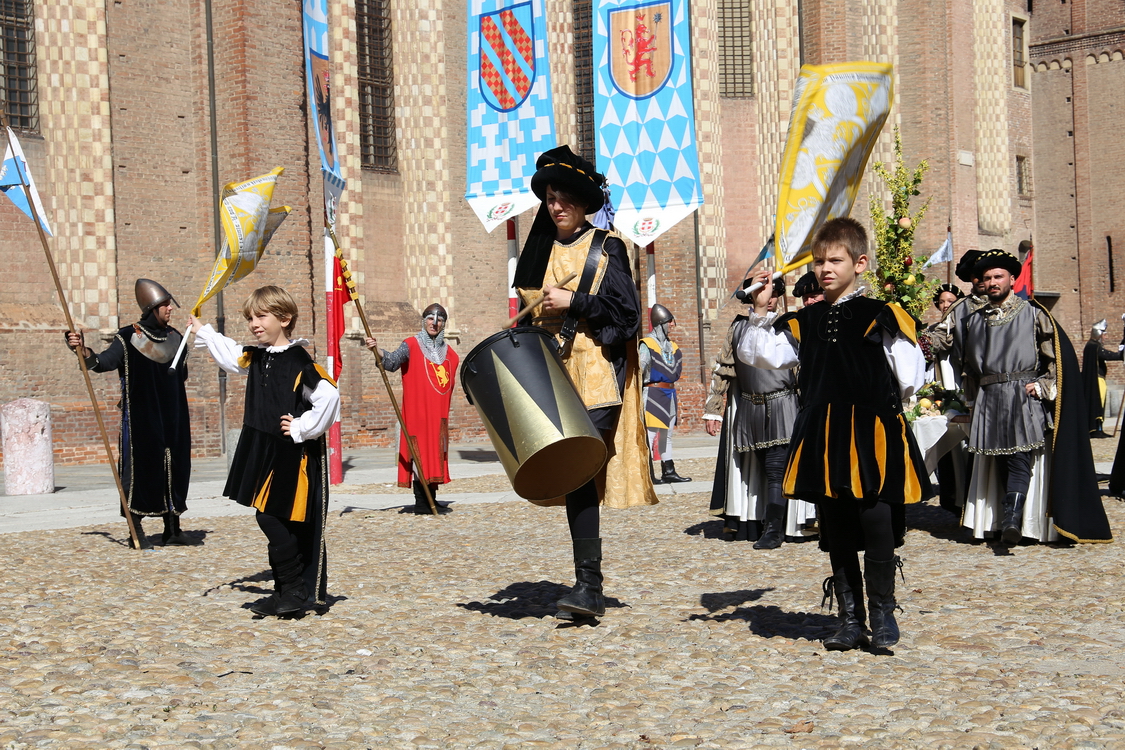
x=595, y=318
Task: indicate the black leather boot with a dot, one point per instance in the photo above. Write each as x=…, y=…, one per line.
x=586, y=598
x=879, y=576
x=172, y=533
x=1011, y=530
x=290, y=592
x=668, y=473
x=851, y=633
x=145, y=543
x=774, y=534
x=422, y=506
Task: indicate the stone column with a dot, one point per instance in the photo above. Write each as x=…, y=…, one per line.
x=29, y=467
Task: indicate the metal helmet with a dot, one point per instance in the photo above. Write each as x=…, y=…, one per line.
x=1099, y=328
x=659, y=315
x=437, y=309
x=151, y=295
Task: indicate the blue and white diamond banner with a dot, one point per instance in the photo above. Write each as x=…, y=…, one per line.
x=643, y=111
x=510, y=112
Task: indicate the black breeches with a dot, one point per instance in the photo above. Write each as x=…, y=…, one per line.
x=1015, y=471
x=878, y=535
x=278, y=532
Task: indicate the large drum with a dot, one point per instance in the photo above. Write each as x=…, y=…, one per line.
x=533, y=413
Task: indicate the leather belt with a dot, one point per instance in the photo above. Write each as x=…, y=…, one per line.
x=1008, y=377
x=761, y=398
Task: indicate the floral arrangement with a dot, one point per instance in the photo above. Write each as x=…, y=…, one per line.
x=933, y=401
x=897, y=277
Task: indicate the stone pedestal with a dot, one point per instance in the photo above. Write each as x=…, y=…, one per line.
x=29, y=466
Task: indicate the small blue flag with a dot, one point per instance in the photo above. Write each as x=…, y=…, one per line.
x=14, y=176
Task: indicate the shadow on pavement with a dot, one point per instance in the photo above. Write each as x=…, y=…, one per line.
x=527, y=599
x=709, y=529
x=771, y=621
x=478, y=455
x=935, y=521
x=724, y=599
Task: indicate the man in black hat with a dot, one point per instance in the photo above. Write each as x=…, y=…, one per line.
x=155, y=443
x=1014, y=354
x=661, y=363
x=808, y=289
x=595, y=319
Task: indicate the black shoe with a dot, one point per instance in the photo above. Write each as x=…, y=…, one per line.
x=668, y=473
x=586, y=598
x=141, y=538
x=422, y=505
x=775, y=528
x=1011, y=530
x=292, y=594
x=851, y=634
x=879, y=576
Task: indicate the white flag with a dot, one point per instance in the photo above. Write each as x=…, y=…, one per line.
x=943, y=254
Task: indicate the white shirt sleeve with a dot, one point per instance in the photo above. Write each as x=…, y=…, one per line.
x=316, y=421
x=907, y=363
x=762, y=346
x=226, y=352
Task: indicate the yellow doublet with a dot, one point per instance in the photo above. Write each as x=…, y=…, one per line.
x=586, y=361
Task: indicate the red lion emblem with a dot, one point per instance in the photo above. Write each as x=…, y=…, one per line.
x=638, y=46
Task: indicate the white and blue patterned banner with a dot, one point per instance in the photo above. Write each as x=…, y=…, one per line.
x=511, y=117
x=643, y=111
x=318, y=80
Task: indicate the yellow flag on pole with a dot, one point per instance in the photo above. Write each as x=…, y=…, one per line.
x=838, y=112
x=248, y=225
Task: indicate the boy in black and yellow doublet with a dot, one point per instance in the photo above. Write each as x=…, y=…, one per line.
x=280, y=466
x=852, y=452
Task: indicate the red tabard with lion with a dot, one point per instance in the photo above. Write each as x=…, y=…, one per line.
x=427, y=391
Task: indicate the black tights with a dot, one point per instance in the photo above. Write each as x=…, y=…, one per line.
x=1015, y=470
x=774, y=460
x=583, y=512
x=277, y=531
x=878, y=536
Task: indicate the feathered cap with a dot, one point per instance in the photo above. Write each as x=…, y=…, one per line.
x=564, y=170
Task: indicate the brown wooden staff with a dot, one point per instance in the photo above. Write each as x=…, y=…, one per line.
x=382, y=370
x=535, y=301
x=136, y=541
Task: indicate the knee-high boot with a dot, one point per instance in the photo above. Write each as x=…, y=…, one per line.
x=586, y=597
x=774, y=534
x=851, y=633
x=290, y=592
x=879, y=576
x=1011, y=530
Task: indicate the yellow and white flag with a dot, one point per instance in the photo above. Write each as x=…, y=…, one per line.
x=838, y=112
x=248, y=225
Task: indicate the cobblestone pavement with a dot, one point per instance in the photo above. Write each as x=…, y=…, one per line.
x=441, y=635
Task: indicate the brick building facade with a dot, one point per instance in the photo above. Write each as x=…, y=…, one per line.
x=122, y=153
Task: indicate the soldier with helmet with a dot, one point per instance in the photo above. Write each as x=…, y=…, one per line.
x=661, y=363
x=155, y=443
x=428, y=367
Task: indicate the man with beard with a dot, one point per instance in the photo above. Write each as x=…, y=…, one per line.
x=1015, y=358
x=155, y=444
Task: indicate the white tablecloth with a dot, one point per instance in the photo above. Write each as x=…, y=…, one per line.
x=937, y=436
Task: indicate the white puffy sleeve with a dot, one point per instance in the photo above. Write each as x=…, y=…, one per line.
x=225, y=351
x=907, y=362
x=762, y=346
x=325, y=399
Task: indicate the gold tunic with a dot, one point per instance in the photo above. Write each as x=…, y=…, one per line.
x=624, y=480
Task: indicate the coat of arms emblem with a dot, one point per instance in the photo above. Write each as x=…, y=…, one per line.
x=640, y=48
x=506, y=66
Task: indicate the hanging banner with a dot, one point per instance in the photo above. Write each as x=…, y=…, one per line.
x=511, y=118
x=838, y=113
x=644, y=116
x=318, y=81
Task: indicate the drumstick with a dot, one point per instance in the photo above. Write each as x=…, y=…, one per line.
x=536, y=300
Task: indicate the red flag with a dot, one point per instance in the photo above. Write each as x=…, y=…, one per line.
x=1024, y=285
x=337, y=299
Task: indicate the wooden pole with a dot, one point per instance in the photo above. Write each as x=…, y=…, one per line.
x=383, y=371
x=136, y=541
x=535, y=301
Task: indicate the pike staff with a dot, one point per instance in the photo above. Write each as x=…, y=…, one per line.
x=354, y=295
x=31, y=202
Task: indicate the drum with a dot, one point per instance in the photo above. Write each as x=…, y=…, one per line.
x=534, y=416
